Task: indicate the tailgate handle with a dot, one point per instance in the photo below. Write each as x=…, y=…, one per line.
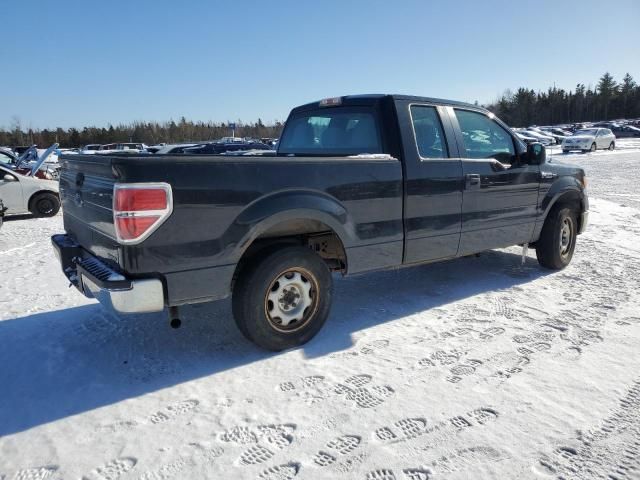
x=472, y=181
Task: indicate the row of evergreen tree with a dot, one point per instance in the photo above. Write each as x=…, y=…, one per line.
x=150, y=133
x=608, y=100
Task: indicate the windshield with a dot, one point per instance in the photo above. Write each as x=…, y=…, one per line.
x=6, y=158
x=587, y=131
x=331, y=131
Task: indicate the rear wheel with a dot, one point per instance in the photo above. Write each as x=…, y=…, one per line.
x=612, y=146
x=558, y=239
x=45, y=205
x=283, y=300
x=565, y=151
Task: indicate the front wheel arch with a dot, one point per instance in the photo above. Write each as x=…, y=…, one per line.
x=571, y=198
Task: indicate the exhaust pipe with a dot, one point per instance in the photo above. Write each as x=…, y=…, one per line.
x=174, y=317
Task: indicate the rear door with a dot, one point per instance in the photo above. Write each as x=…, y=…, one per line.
x=500, y=196
x=433, y=182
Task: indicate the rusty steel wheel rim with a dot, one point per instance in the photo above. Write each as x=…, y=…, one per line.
x=291, y=300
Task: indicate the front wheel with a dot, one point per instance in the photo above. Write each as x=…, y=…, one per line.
x=283, y=300
x=45, y=205
x=558, y=239
x=593, y=147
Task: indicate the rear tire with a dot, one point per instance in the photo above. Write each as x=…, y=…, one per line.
x=558, y=239
x=45, y=205
x=283, y=300
x=612, y=146
x=565, y=151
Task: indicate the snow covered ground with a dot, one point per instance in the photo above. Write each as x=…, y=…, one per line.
x=475, y=368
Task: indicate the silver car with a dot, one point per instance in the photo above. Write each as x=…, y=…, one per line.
x=590, y=140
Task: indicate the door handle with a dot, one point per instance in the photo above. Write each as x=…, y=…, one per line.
x=472, y=181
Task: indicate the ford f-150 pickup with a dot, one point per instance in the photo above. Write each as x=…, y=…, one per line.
x=358, y=183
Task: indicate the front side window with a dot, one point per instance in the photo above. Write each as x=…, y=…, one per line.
x=484, y=138
x=428, y=132
x=332, y=131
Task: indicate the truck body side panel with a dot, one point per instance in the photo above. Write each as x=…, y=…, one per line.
x=221, y=204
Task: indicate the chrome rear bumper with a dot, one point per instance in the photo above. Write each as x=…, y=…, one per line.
x=95, y=279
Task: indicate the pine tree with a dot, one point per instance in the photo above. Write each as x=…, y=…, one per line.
x=607, y=89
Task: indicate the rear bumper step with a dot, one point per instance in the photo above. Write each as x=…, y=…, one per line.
x=95, y=279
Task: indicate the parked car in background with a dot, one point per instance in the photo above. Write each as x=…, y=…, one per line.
x=590, y=139
x=558, y=138
x=114, y=147
x=219, y=147
x=524, y=137
x=175, y=148
x=155, y=148
x=23, y=194
x=32, y=162
x=91, y=148
x=7, y=157
x=546, y=140
x=269, y=141
x=625, y=131
x=557, y=133
x=19, y=150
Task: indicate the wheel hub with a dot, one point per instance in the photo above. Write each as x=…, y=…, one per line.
x=291, y=300
x=565, y=237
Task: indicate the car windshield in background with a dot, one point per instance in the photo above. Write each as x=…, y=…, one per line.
x=334, y=131
x=587, y=131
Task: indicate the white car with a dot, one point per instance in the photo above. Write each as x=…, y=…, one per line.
x=22, y=194
x=590, y=139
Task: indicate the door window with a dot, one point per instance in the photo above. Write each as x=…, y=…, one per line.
x=428, y=132
x=484, y=138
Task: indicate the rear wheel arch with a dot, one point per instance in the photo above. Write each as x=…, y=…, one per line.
x=316, y=235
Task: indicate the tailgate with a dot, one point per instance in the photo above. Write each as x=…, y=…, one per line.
x=86, y=192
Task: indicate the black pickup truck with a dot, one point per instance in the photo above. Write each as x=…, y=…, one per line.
x=358, y=183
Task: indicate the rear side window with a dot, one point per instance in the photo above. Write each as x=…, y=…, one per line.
x=331, y=131
x=484, y=138
x=428, y=132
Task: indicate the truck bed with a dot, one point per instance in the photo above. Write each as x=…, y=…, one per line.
x=219, y=205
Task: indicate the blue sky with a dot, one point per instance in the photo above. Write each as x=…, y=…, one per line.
x=76, y=63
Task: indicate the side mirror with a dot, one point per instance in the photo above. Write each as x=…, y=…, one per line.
x=9, y=178
x=536, y=154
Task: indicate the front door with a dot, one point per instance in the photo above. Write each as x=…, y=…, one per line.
x=500, y=195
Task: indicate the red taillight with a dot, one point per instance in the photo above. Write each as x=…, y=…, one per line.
x=138, y=199
x=139, y=209
x=130, y=228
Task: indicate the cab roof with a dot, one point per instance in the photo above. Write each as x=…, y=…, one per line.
x=375, y=98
